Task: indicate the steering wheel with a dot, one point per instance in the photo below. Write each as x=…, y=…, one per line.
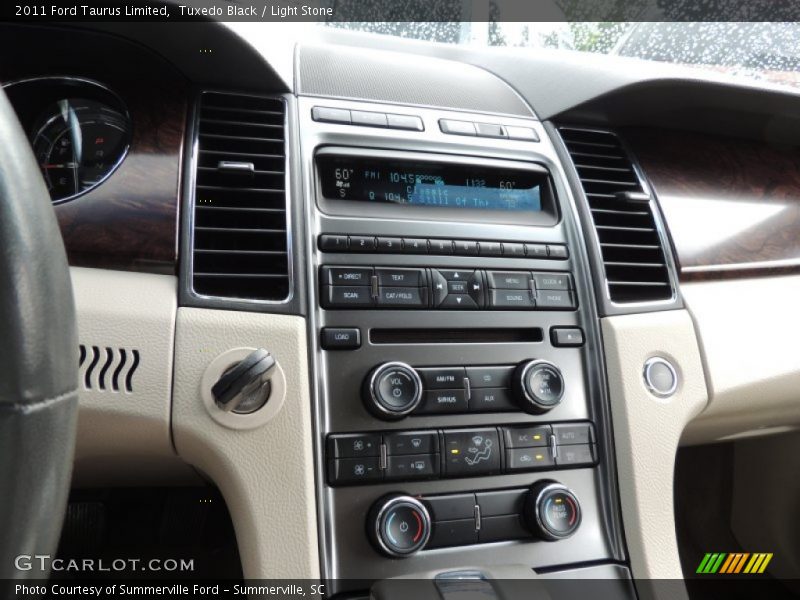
x=38, y=361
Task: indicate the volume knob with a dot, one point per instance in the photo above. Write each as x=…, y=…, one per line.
x=392, y=390
x=539, y=386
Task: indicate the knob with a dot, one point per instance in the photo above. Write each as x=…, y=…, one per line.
x=538, y=385
x=399, y=525
x=245, y=387
x=552, y=511
x=392, y=390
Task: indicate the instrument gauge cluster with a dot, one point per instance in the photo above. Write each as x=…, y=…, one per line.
x=79, y=130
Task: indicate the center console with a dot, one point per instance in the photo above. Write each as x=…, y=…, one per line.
x=460, y=407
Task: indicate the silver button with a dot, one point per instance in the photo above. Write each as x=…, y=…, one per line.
x=660, y=377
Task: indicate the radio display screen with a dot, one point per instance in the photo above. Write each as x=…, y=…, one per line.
x=420, y=183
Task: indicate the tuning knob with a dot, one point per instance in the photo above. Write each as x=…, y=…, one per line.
x=399, y=525
x=392, y=390
x=552, y=511
x=538, y=386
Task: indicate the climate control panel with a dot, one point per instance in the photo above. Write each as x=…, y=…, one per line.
x=400, y=525
x=364, y=458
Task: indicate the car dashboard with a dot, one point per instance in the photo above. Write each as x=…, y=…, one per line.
x=492, y=285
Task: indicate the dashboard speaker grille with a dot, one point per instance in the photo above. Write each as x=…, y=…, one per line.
x=630, y=246
x=240, y=243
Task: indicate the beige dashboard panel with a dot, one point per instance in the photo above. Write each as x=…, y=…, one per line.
x=748, y=330
x=647, y=430
x=126, y=325
x=266, y=474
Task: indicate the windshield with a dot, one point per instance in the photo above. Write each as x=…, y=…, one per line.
x=767, y=52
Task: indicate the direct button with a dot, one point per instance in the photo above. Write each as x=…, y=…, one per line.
x=346, y=275
x=341, y=338
x=439, y=378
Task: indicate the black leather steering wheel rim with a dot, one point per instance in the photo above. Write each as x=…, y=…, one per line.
x=38, y=360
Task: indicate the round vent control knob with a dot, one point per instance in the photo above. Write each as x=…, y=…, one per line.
x=399, y=525
x=392, y=390
x=539, y=386
x=552, y=511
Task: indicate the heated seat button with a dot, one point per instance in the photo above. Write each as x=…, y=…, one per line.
x=444, y=401
x=346, y=275
x=471, y=452
x=346, y=296
x=451, y=507
x=400, y=277
x=354, y=470
x=354, y=445
x=403, y=297
x=416, y=466
x=527, y=437
x=489, y=377
x=491, y=400
x=573, y=456
x=524, y=459
x=412, y=442
x=438, y=378
x=341, y=338
x=459, y=532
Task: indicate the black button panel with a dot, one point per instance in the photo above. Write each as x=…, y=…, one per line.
x=448, y=289
x=356, y=243
x=355, y=458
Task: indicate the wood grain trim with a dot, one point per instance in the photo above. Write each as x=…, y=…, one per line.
x=130, y=221
x=732, y=207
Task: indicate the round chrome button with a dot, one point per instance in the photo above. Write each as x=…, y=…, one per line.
x=552, y=511
x=539, y=386
x=393, y=390
x=399, y=525
x=660, y=377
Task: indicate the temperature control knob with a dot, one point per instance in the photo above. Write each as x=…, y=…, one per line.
x=399, y=525
x=538, y=385
x=552, y=511
x=392, y=390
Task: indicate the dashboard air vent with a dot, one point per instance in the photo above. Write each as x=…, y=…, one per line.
x=630, y=246
x=240, y=247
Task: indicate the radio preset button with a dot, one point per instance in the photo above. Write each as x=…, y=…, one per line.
x=441, y=246
x=466, y=247
x=490, y=248
x=457, y=127
x=390, y=244
x=362, y=243
x=368, y=119
x=536, y=250
x=557, y=252
x=513, y=250
x=333, y=243
x=415, y=246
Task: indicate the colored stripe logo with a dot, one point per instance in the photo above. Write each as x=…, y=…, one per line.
x=734, y=563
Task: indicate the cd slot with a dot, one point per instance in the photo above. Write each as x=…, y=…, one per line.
x=472, y=335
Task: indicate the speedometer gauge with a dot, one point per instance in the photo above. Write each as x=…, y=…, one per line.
x=78, y=143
